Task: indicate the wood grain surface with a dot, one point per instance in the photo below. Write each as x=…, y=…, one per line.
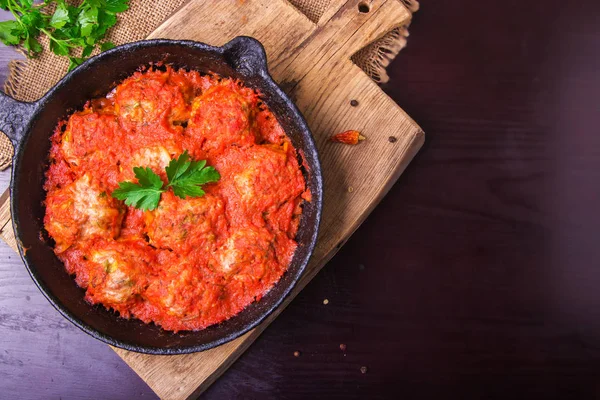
x=476, y=277
x=354, y=180
x=301, y=57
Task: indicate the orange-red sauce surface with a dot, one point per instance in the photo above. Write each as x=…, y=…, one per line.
x=191, y=262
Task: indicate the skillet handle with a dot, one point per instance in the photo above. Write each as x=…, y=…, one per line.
x=14, y=118
x=247, y=56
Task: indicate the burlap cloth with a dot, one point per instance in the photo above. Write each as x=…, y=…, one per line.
x=29, y=79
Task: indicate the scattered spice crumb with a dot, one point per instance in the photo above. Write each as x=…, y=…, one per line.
x=354, y=103
x=393, y=139
x=363, y=370
x=348, y=137
x=350, y=189
x=342, y=347
x=326, y=301
x=296, y=353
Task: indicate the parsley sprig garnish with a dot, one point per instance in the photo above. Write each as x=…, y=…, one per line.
x=73, y=31
x=185, y=178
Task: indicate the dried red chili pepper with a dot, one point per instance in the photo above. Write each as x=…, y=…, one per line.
x=348, y=137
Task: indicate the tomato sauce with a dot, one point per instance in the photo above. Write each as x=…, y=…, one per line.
x=192, y=262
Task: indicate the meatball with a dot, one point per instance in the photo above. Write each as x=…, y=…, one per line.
x=90, y=141
x=258, y=180
x=81, y=210
x=118, y=271
x=221, y=117
x=246, y=252
x=249, y=265
x=88, y=133
x=152, y=97
x=186, y=224
x=184, y=298
x=157, y=158
x=178, y=289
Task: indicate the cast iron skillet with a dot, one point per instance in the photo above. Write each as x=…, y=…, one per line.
x=29, y=126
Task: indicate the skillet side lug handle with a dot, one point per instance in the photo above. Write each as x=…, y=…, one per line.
x=247, y=56
x=14, y=118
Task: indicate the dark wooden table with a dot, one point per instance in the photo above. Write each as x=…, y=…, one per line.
x=478, y=276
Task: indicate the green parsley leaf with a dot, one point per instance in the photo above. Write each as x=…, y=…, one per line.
x=116, y=6
x=178, y=166
x=95, y=3
x=87, y=50
x=88, y=19
x=107, y=46
x=26, y=3
x=106, y=21
x=65, y=34
x=9, y=32
x=60, y=16
x=73, y=12
x=32, y=45
x=75, y=62
x=144, y=195
x=183, y=191
x=68, y=28
x=59, y=48
x=147, y=178
x=34, y=22
x=185, y=177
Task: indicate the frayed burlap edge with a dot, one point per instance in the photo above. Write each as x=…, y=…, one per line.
x=373, y=59
x=14, y=76
x=6, y=152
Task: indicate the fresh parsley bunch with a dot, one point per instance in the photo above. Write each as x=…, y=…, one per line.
x=185, y=178
x=73, y=31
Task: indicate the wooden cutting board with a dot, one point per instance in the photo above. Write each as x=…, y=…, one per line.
x=312, y=63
